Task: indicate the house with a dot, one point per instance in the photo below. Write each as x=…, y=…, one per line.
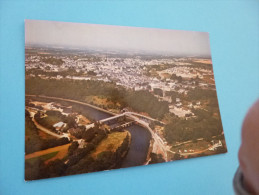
x=59, y=126
x=178, y=105
x=82, y=143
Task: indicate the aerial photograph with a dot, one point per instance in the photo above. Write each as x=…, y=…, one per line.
x=102, y=97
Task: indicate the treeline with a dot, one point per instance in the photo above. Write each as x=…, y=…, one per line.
x=139, y=101
x=34, y=142
x=204, y=125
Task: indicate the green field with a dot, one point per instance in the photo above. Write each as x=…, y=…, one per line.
x=52, y=119
x=111, y=143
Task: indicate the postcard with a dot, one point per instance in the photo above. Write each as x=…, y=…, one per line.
x=102, y=97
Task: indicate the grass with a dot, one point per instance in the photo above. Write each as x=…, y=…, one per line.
x=103, y=102
x=59, y=151
x=98, y=100
x=83, y=120
x=111, y=143
x=43, y=157
x=51, y=119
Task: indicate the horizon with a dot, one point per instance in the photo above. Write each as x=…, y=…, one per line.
x=112, y=51
x=116, y=38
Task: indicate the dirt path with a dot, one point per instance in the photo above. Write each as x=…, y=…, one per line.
x=45, y=129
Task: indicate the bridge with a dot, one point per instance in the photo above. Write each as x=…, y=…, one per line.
x=112, y=118
x=145, y=117
x=122, y=125
x=158, y=144
x=130, y=115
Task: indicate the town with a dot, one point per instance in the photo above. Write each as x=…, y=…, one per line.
x=162, y=77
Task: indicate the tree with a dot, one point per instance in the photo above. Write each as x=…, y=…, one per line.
x=156, y=158
x=158, y=91
x=72, y=147
x=33, y=169
x=71, y=121
x=177, y=156
x=152, y=125
x=139, y=101
x=88, y=135
x=55, y=168
x=105, y=160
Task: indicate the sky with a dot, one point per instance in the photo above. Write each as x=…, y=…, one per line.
x=123, y=38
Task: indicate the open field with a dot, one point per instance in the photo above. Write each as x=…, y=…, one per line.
x=61, y=153
x=51, y=119
x=83, y=120
x=42, y=157
x=101, y=101
x=111, y=143
x=98, y=100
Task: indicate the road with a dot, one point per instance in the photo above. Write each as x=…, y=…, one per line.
x=147, y=117
x=46, y=130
